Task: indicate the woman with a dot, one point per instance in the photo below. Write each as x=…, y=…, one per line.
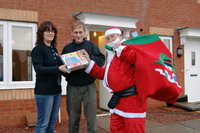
x=47, y=66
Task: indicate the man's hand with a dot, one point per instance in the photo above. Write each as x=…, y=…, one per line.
x=85, y=54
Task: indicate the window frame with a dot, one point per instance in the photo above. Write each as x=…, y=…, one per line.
x=170, y=40
x=7, y=83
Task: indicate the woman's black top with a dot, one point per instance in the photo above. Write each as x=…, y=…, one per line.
x=46, y=65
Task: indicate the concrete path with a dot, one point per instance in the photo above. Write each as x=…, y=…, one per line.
x=192, y=126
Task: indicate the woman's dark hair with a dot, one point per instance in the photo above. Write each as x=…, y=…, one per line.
x=46, y=25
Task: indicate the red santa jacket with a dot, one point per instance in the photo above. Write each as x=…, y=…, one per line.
x=120, y=76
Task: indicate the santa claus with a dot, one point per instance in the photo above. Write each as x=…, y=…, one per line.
x=128, y=109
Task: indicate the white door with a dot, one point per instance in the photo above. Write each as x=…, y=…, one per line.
x=192, y=69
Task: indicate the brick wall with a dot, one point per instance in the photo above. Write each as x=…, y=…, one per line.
x=12, y=112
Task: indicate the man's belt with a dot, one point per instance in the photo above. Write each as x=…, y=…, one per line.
x=117, y=95
x=126, y=93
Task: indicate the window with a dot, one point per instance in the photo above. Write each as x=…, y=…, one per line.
x=167, y=41
x=193, y=57
x=16, y=42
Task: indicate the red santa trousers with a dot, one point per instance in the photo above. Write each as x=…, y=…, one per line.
x=119, y=124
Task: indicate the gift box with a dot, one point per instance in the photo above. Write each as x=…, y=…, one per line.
x=74, y=61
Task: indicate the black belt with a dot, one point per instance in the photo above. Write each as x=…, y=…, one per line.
x=117, y=95
x=126, y=93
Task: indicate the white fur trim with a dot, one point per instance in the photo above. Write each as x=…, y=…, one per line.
x=110, y=56
x=112, y=31
x=128, y=115
x=119, y=50
x=89, y=68
x=123, y=40
x=105, y=81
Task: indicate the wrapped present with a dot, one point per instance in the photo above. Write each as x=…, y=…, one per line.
x=74, y=61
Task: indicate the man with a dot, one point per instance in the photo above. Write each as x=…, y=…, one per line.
x=81, y=86
x=128, y=115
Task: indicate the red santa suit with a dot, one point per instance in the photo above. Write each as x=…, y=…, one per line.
x=144, y=62
x=119, y=74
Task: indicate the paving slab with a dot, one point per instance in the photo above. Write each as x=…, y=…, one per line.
x=191, y=126
x=151, y=124
x=171, y=128
x=195, y=124
x=192, y=106
x=103, y=121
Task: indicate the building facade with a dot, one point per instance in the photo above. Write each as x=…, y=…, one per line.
x=175, y=21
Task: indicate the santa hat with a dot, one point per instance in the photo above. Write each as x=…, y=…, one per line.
x=112, y=30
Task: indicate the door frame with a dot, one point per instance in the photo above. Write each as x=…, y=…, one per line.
x=185, y=33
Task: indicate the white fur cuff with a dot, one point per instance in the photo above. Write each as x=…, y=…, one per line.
x=89, y=68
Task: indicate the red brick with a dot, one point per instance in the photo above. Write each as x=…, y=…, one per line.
x=29, y=108
x=6, y=109
x=18, y=109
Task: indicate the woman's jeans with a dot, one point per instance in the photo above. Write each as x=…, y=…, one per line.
x=47, y=109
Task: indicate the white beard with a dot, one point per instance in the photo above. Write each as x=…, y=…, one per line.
x=111, y=54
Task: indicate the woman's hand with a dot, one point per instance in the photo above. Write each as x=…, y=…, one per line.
x=63, y=69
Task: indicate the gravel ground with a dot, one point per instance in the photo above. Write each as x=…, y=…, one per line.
x=169, y=115
x=161, y=115
x=59, y=128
